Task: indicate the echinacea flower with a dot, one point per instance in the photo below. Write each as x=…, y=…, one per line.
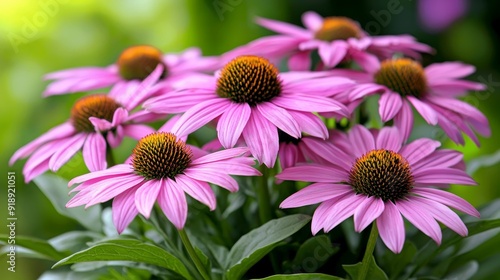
x=380, y=179
x=97, y=121
x=134, y=65
x=161, y=169
x=336, y=39
x=253, y=100
x=432, y=91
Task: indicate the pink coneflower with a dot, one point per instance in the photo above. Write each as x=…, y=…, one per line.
x=162, y=169
x=336, y=39
x=134, y=65
x=97, y=121
x=253, y=100
x=431, y=90
x=382, y=180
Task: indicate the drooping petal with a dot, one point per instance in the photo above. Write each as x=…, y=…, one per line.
x=124, y=210
x=199, y=115
x=232, y=122
x=329, y=152
x=94, y=152
x=146, y=195
x=216, y=178
x=112, y=187
x=368, y=210
x=310, y=124
x=442, y=214
x=67, y=149
x=199, y=190
x=421, y=219
x=172, y=201
x=404, y=121
x=117, y=170
x=306, y=103
x=426, y=111
x=300, y=61
x=435, y=175
x=333, y=53
x=391, y=228
x=261, y=137
x=280, y=118
x=61, y=131
x=220, y=155
x=315, y=193
x=314, y=173
x=283, y=28
x=389, y=105
x=343, y=209
x=448, y=199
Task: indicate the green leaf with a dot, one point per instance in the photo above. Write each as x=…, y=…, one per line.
x=128, y=250
x=74, y=240
x=253, y=246
x=464, y=272
x=374, y=271
x=317, y=249
x=37, y=245
x=205, y=261
x=302, y=276
x=396, y=263
x=483, y=161
x=56, y=190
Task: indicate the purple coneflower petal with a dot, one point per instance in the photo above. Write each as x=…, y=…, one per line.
x=419, y=149
x=389, y=138
x=146, y=195
x=448, y=70
x=440, y=158
x=144, y=90
x=199, y=190
x=280, y=118
x=391, y=228
x=315, y=193
x=214, y=177
x=426, y=111
x=199, y=115
x=300, y=61
x=172, y=201
x=442, y=214
x=94, y=152
x=100, y=124
x=58, y=132
x=177, y=101
x=362, y=140
x=442, y=176
x=262, y=138
x=137, y=131
x=367, y=211
x=314, y=173
x=448, y=199
x=404, y=121
x=124, y=210
x=312, y=20
x=283, y=28
x=309, y=104
x=35, y=171
x=333, y=53
x=232, y=122
x=113, y=187
x=67, y=150
x=329, y=152
x=342, y=210
x=420, y=219
x=310, y=124
x=389, y=105
x=117, y=170
x=220, y=155
x=288, y=155
x=363, y=90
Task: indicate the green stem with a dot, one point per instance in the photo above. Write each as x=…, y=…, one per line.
x=193, y=255
x=110, y=159
x=263, y=197
x=370, y=246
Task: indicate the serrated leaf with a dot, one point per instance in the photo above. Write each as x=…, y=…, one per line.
x=253, y=246
x=39, y=246
x=374, y=271
x=302, y=276
x=56, y=190
x=128, y=250
x=318, y=248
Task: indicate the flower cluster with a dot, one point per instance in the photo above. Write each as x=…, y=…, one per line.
x=306, y=117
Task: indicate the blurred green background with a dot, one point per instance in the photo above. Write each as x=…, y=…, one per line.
x=37, y=37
